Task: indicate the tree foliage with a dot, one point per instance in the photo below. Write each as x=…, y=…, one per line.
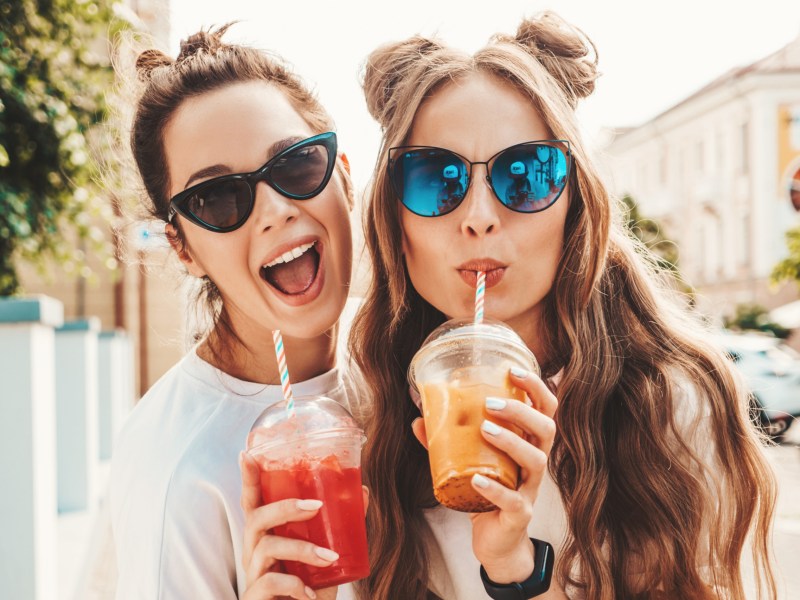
x=754, y=317
x=789, y=268
x=54, y=71
x=651, y=234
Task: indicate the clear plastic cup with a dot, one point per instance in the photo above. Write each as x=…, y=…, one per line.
x=316, y=454
x=459, y=365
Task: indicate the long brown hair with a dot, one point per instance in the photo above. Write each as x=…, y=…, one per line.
x=654, y=439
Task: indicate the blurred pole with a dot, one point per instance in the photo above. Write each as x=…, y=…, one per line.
x=28, y=519
x=76, y=416
x=143, y=363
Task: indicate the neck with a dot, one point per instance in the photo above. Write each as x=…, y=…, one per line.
x=527, y=327
x=252, y=357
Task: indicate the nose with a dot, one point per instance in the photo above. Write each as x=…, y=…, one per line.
x=481, y=216
x=272, y=209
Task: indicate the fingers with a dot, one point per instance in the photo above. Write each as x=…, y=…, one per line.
x=530, y=420
x=273, y=585
x=515, y=510
x=271, y=549
x=265, y=518
x=251, y=483
x=541, y=396
x=532, y=459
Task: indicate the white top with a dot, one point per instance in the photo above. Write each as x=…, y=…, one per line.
x=459, y=577
x=176, y=486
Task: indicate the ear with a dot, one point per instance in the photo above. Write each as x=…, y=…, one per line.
x=182, y=250
x=345, y=162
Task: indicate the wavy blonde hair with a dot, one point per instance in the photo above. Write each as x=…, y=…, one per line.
x=640, y=490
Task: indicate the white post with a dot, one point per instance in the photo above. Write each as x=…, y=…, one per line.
x=28, y=526
x=76, y=424
x=115, y=387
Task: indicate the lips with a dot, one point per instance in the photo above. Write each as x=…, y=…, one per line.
x=494, y=271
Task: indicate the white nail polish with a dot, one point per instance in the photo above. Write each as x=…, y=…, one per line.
x=480, y=481
x=310, y=593
x=490, y=428
x=309, y=504
x=326, y=554
x=495, y=403
x=517, y=372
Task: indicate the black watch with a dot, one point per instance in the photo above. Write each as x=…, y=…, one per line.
x=537, y=583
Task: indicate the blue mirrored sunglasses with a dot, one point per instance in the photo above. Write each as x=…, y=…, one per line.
x=526, y=178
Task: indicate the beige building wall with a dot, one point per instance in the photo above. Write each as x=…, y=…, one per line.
x=710, y=170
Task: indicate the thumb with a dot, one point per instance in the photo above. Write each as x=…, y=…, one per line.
x=418, y=427
x=251, y=483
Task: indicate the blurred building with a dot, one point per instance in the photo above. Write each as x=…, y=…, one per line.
x=720, y=171
x=144, y=296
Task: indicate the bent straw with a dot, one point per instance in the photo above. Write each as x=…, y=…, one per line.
x=480, y=292
x=280, y=353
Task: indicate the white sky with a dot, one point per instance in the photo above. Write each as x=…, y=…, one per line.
x=652, y=54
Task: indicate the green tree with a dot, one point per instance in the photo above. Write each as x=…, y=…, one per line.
x=789, y=268
x=54, y=72
x=754, y=317
x=652, y=235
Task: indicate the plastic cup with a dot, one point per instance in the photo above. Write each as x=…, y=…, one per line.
x=459, y=365
x=316, y=454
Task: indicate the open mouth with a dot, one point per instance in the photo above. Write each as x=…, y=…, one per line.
x=295, y=271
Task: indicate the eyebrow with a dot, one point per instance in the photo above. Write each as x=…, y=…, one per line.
x=220, y=169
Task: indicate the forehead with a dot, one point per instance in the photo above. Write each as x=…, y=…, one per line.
x=233, y=125
x=477, y=115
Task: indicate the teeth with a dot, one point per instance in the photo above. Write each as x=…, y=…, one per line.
x=290, y=255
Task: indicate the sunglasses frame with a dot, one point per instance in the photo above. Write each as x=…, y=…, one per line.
x=559, y=144
x=177, y=203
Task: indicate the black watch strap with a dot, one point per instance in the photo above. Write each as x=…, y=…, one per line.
x=538, y=583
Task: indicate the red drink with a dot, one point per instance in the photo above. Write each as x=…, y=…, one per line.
x=339, y=524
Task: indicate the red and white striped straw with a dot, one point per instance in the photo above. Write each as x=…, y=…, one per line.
x=480, y=292
x=280, y=353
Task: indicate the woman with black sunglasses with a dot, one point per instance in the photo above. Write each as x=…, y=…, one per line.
x=239, y=161
x=648, y=478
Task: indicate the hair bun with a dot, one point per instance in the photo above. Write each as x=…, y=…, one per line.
x=149, y=60
x=387, y=67
x=564, y=50
x=203, y=41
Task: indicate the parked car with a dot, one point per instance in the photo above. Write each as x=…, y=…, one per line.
x=771, y=369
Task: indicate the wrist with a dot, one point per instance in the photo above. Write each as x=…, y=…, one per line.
x=535, y=584
x=514, y=567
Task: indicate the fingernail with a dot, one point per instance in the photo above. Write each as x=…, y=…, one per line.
x=517, y=372
x=310, y=593
x=490, y=428
x=495, y=403
x=241, y=458
x=309, y=504
x=326, y=554
x=480, y=481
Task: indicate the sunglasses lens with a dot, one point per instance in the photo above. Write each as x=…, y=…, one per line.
x=223, y=204
x=430, y=181
x=303, y=171
x=530, y=177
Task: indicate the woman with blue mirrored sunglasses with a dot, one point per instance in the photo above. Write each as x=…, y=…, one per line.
x=638, y=463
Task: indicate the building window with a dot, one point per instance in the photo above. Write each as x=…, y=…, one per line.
x=699, y=157
x=744, y=148
x=744, y=249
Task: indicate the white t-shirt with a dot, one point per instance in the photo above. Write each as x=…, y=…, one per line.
x=459, y=577
x=176, y=485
